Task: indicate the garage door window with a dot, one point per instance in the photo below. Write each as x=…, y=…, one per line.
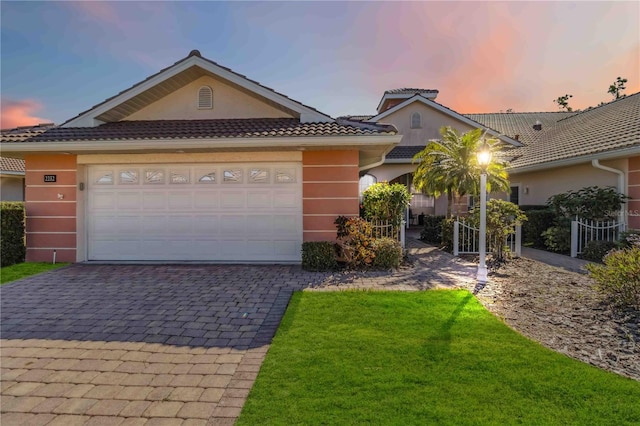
x=128, y=176
x=232, y=176
x=259, y=176
x=154, y=176
x=207, y=177
x=179, y=176
x=105, y=178
x=285, y=175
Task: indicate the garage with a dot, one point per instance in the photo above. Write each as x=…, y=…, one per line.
x=195, y=212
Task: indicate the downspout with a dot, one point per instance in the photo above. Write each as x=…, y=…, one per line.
x=620, y=173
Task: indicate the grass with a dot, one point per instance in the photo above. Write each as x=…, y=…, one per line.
x=436, y=357
x=23, y=270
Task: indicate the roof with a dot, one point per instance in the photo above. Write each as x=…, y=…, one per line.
x=179, y=74
x=409, y=91
x=404, y=152
x=355, y=117
x=607, y=129
x=18, y=134
x=12, y=165
x=207, y=129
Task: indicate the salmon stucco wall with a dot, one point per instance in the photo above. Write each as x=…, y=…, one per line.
x=329, y=189
x=633, y=204
x=50, y=208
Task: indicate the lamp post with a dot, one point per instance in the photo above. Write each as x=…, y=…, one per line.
x=484, y=158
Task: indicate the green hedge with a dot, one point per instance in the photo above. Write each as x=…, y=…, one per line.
x=388, y=253
x=319, y=256
x=12, y=246
x=432, y=231
x=539, y=221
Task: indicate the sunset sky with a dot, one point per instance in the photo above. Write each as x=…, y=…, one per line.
x=61, y=58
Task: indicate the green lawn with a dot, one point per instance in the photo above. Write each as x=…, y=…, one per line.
x=23, y=270
x=435, y=357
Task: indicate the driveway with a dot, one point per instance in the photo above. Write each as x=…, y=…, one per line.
x=162, y=344
x=139, y=344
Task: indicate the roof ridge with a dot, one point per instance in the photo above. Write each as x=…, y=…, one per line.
x=600, y=106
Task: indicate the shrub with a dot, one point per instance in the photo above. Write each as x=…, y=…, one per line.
x=558, y=237
x=12, y=233
x=386, y=202
x=447, y=234
x=629, y=238
x=619, y=278
x=592, y=202
x=319, y=256
x=502, y=216
x=538, y=222
x=432, y=231
x=388, y=253
x=595, y=251
x=355, y=241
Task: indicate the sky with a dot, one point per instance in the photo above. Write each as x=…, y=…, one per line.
x=61, y=58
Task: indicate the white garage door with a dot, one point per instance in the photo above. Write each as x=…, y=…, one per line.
x=217, y=212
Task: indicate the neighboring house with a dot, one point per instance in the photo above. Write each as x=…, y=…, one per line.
x=552, y=152
x=11, y=179
x=197, y=163
x=12, y=169
x=418, y=118
x=599, y=146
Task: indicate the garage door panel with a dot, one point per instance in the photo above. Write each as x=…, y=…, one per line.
x=154, y=201
x=179, y=216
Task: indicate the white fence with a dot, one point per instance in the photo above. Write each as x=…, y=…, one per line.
x=583, y=231
x=384, y=229
x=466, y=237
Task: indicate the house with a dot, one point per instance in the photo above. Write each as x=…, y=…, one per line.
x=11, y=179
x=418, y=118
x=549, y=152
x=568, y=151
x=12, y=169
x=194, y=163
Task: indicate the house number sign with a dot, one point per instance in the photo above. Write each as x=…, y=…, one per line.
x=50, y=178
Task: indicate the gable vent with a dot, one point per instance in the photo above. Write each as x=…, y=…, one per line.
x=205, y=98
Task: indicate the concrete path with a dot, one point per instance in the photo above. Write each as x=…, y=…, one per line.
x=554, y=259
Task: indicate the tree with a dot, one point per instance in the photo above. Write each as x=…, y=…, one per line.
x=617, y=87
x=449, y=166
x=563, y=102
x=502, y=216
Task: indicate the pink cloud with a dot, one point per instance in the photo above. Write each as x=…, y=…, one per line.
x=20, y=113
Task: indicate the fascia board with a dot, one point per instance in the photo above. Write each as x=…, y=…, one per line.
x=447, y=111
x=173, y=144
x=610, y=155
x=212, y=68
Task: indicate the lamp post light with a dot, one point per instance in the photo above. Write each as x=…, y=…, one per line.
x=484, y=158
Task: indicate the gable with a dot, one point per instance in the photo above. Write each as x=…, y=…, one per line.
x=432, y=121
x=228, y=102
x=183, y=73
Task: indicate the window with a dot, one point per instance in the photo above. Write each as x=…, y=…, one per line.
x=514, y=195
x=285, y=175
x=258, y=176
x=128, y=176
x=207, y=177
x=232, y=176
x=105, y=178
x=180, y=176
x=416, y=120
x=205, y=98
x=365, y=182
x=154, y=176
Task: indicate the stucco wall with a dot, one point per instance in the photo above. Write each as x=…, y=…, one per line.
x=228, y=102
x=432, y=121
x=633, y=205
x=12, y=188
x=51, y=208
x=537, y=187
x=330, y=189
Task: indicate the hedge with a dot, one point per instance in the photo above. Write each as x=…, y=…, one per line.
x=12, y=246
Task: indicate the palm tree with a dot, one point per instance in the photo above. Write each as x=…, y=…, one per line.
x=449, y=166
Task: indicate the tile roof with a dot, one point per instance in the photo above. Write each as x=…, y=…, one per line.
x=409, y=91
x=355, y=117
x=404, y=152
x=199, y=129
x=18, y=134
x=606, y=128
x=11, y=165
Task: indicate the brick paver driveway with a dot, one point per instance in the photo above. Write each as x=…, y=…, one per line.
x=145, y=344
x=138, y=344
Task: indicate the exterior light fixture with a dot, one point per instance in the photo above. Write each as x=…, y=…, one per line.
x=484, y=159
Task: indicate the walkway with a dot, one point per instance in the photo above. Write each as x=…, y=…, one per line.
x=554, y=259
